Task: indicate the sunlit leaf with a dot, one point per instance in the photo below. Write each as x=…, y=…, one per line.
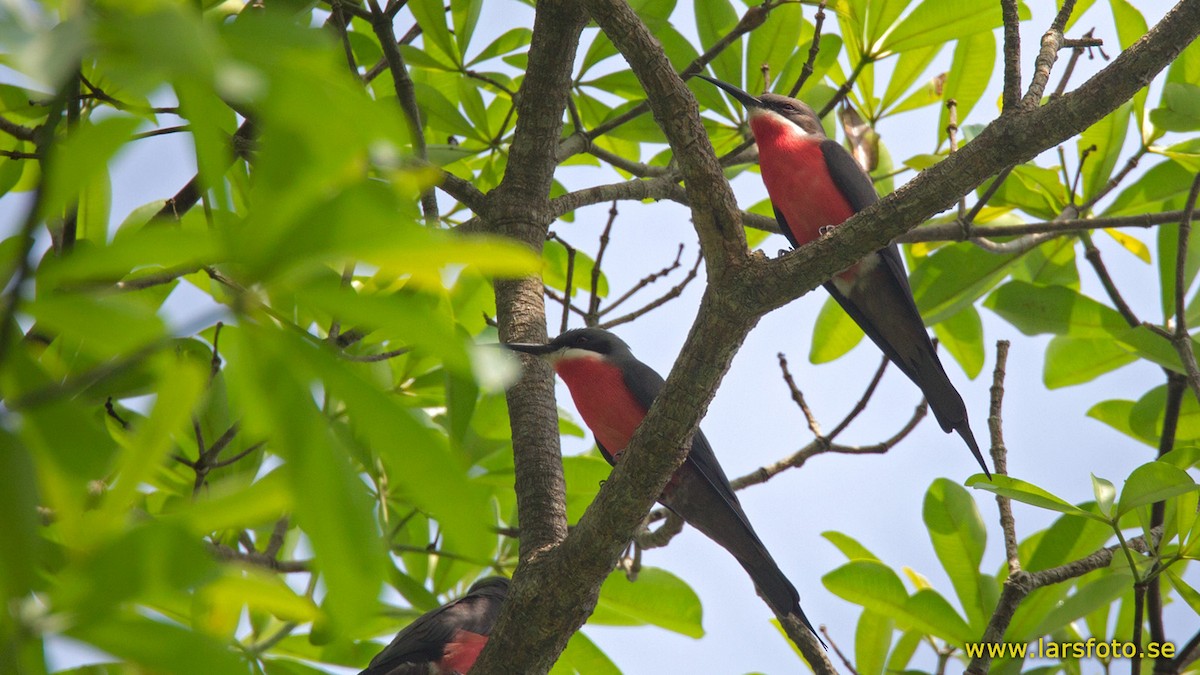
x=1153, y=482
x=1028, y=493
x=834, y=333
x=657, y=597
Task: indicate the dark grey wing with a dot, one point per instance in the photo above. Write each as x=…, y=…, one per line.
x=699, y=492
x=424, y=640
x=645, y=384
x=848, y=177
x=783, y=226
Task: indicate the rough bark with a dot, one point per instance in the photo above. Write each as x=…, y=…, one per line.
x=555, y=590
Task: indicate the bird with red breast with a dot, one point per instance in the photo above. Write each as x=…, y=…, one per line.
x=447, y=640
x=815, y=185
x=613, y=391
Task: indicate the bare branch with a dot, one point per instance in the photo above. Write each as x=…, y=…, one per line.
x=675, y=292
x=227, y=554
x=1052, y=41
x=798, y=398
x=644, y=282
x=406, y=94
x=1000, y=457
x=807, y=71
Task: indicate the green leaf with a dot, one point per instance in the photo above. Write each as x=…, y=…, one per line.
x=962, y=335
x=954, y=277
x=909, y=67
x=1088, y=597
x=79, y=159
x=465, y=14
x=876, y=587
x=1071, y=360
x=658, y=598
x=1116, y=414
x=1051, y=264
x=94, y=203
x=1107, y=137
x=1105, y=493
x=714, y=20
x=849, y=546
x=1164, y=183
x=958, y=536
x=1180, y=109
x=181, y=384
x=431, y=16
x=1036, y=190
x=583, y=657
x=1185, y=591
x=1054, y=309
x=259, y=592
x=1027, y=493
x=332, y=505
x=834, y=333
x=509, y=41
x=19, y=525
x=872, y=638
x=157, y=645
x=940, y=21
x=1153, y=482
x=1147, y=417
x=969, y=76
x=869, y=583
x=103, y=326
x=771, y=44
x=583, y=475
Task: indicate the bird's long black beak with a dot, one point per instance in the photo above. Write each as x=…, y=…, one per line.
x=530, y=348
x=742, y=97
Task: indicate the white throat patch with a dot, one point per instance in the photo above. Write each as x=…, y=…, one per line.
x=777, y=119
x=575, y=354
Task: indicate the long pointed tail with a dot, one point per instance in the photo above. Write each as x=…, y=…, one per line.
x=706, y=502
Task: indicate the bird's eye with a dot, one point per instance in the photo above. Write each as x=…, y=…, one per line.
x=583, y=339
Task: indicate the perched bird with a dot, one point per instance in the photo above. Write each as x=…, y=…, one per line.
x=815, y=185
x=446, y=640
x=613, y=391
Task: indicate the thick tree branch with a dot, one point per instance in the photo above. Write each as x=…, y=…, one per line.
x=714, y=208
x=519, y=208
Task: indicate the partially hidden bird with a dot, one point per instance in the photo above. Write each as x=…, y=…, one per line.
x=447, y=640
x=815, y=185
x=612, y=391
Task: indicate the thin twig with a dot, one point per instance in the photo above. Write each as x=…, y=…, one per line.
x=952, y=138
x=798, y=398
x=675, y=292
x=807, y=71
x=1093, y=256
x=592, y=317
x=1052, y=42
x=837, y=650
x=406, y=95
x=1000, y=457
x=644, y=282
x=570, y=282
x=861, y=405
x=225, y=553
x=816, y=447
